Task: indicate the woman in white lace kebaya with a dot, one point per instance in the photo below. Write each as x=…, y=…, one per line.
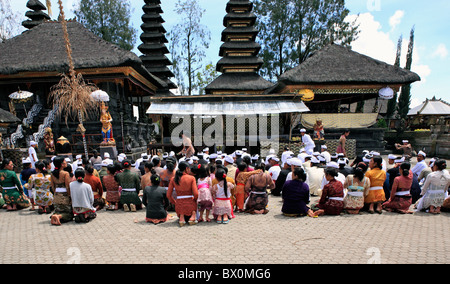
x=435, y=188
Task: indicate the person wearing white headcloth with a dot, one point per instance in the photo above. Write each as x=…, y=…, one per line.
x=428, y=170
x=228, y=162
x=302, y=154
x=295, y=163
x=275, y=168
x=140, y=160
x=325, y=153
x=107, y=159
x=314, y=177
x=76, y=163
x=271, y=154
x=406, y=147
x=307, y=142
x=287, y=153
x=32, y=153
x=391, y=161
x=421, y=164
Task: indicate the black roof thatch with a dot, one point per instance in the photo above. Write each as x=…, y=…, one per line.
x=239, y=82
x=7, y=117
x=335, y=64
x=42, y=49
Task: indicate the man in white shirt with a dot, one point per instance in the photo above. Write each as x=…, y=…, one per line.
x=314, y=177
x=32, y=153
x=294, y=163
x=275, y=168
x=325, y=153
x=78, y=160
x=302, y=155
x=284, y=157
x=421, y=164
x=307, y=142
x=106, y=159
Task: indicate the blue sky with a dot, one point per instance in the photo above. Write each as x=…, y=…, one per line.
x=381, y=22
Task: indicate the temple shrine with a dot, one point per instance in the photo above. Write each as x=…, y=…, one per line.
x=321, y=90
x=238, y=106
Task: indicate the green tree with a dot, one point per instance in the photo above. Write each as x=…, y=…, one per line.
x=205, y=77
x=190, y=40
x=274, y=22
x=404, y=99
x=108, y=19
x=291, y=30
x=392, y=104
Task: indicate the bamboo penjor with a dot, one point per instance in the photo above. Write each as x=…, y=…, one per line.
x=72, y=95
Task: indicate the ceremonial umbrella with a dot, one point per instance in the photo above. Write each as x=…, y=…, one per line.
x=21, y=97
x=100, y=96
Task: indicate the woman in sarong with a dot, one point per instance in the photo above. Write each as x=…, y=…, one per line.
x=342, y=142
x=332, y=200
x=187, y=194
x=256, y=189
x=204, y=184
x=155, y=200
x=41, y=183
x=82, y=198
x=12, y=189
x=377, y=178
x=60, y=182
x=112, y=188
x=401, y=199
x=97, y=187
x=131, y=185
x=295, y=195
x=221, y=193
x=357, y=186
x=241, y=180
x=435, y=188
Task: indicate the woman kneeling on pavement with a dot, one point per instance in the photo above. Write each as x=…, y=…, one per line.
x=82, y=198
x=185, y=186
x=401, y=199
x=295, y=195
x=332, y=199
x=12, y=187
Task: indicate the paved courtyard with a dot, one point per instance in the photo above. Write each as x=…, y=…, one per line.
x=121, y=237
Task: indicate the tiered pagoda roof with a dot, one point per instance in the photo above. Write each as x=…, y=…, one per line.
x=240, y=63
x=37, y=16
x=153, y=47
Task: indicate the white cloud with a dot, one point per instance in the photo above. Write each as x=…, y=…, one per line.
x=441, y=51
x=396, y=19
x=375, y=43
x=414, y=103
x=372, y=41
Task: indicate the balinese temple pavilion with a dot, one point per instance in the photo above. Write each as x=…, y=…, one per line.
x=238, y=93
x=33, y=61
x=321, y=88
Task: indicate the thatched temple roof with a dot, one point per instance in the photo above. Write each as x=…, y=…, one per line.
x=42, y=49
x=335, y=64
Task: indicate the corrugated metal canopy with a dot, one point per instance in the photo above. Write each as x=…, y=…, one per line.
x=227, y=108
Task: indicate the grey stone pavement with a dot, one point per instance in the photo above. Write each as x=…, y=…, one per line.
x=125, y=238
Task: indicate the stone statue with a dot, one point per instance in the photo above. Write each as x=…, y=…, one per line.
x=319, y=133
x=50, y=148
x=107, y=131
